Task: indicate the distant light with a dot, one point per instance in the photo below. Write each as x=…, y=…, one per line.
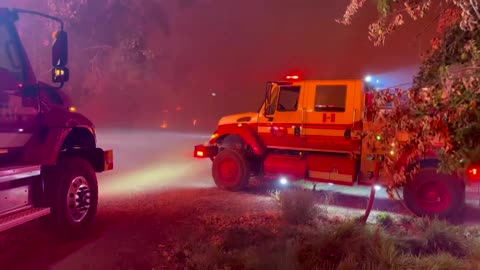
x=20, y=130
x=368, y=78
x=283, y=181
x=392, y=152
x=378, y=81
x=378, y=137
x=377, y=187
x=214, y=94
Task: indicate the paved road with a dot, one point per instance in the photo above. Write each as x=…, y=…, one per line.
x=141, y=203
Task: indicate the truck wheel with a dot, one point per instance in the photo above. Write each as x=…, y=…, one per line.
x=231, y=170
x=434, y=195
x=76, y=198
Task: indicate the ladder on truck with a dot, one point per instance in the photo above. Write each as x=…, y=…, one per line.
x=16, y=196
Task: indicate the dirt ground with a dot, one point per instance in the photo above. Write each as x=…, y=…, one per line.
x=156, y=199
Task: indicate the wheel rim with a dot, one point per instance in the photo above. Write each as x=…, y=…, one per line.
x=433, y=196
x=78, y=198
x=228, y=170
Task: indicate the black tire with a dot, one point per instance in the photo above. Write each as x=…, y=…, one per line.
x=235, y=162
x=446, y=192
x=75, y=183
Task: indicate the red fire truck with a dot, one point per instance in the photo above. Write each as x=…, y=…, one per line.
x=48, y=151
x=308, y=130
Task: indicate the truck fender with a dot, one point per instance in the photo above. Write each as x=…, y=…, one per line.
x=55, y=126
x=46, y=146
x=429, y=159
x=244, y=131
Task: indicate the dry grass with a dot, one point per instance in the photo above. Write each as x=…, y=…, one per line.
x=346, y=245
x=297, y=205
x=301, y=206
x=298, y=239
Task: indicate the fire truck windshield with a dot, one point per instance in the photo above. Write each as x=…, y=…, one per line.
x=10, y=64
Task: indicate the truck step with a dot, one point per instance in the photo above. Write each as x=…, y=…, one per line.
x=17, y=172
x=22, y=217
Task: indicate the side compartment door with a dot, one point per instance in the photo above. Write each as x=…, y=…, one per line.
x=332, y=108
x=280, y=121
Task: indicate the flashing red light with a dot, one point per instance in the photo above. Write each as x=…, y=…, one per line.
x=199, y=154
x=292, y=77
x=474, y=172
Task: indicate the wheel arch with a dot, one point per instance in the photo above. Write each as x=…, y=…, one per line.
x=243, y=132
x=79, y=137
x=81, y=142
x=424, y=163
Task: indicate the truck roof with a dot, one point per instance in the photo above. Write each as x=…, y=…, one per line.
x=336, y=81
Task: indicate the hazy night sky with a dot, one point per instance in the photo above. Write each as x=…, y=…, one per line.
x=233, y=47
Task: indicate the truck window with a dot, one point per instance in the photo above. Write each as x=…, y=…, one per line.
x=330, y=98
x=288, y=100
x=272, y=101
x=9, y=57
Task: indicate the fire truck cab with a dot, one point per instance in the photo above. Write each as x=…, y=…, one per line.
x=49, y=155
x=311, y=130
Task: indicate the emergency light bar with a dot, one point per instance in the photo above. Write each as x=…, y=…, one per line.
x=292, y=77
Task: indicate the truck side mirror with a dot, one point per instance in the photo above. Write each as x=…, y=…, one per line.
x=60, y=49
x=60, y=74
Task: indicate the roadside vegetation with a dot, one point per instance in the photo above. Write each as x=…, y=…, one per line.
x=302, y=234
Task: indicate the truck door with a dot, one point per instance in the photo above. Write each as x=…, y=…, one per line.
x=18, y=112
x=332, y=108
x=280, y=120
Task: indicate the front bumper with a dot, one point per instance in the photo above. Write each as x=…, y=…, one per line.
x=102, y=160
x=205, y=151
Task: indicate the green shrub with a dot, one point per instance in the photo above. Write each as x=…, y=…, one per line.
x=384, y=219
x=441, y=261
x=435, y=237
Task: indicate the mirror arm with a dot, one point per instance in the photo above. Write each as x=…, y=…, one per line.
x=26, y=11
x=60, y=86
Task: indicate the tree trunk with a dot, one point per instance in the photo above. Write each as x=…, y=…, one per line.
x=371, y=199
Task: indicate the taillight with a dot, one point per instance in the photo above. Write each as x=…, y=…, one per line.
x=205, y=151
x=199, y=153
x=473, y=172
